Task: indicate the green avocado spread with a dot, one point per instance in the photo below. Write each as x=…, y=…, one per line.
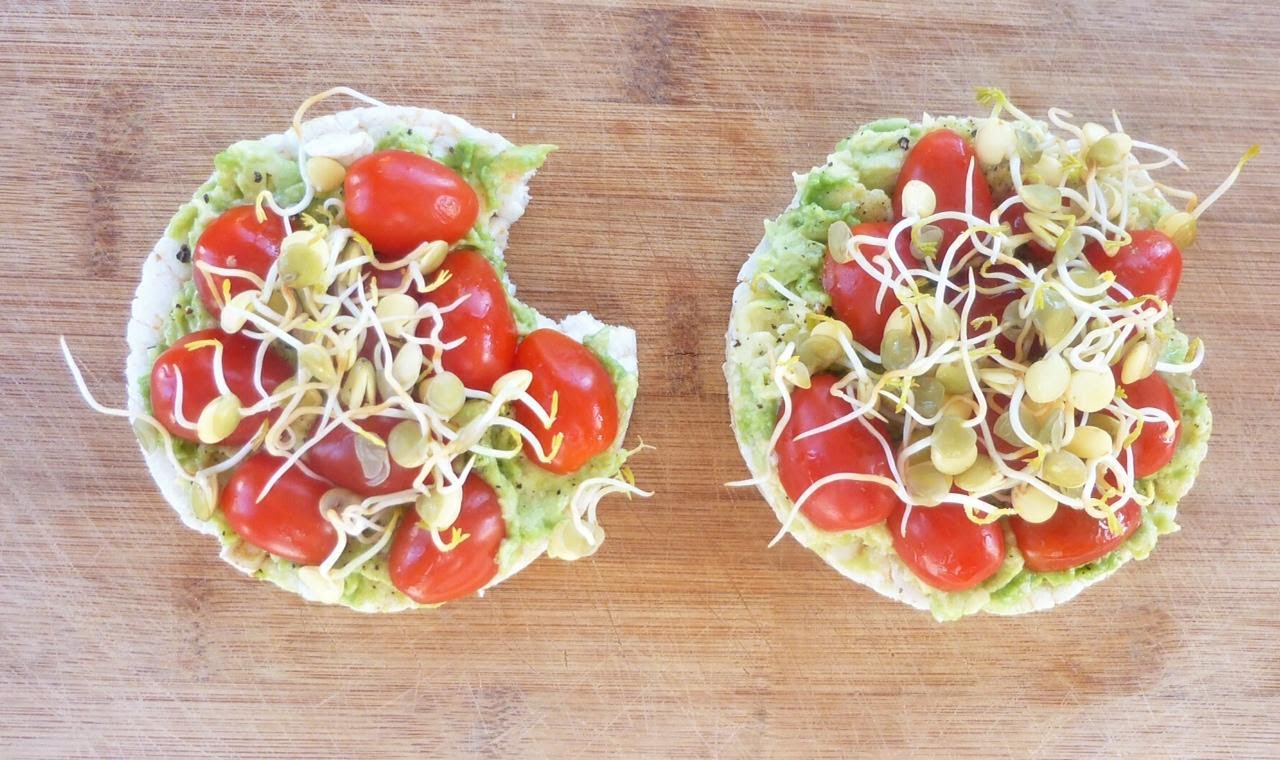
x=855, y=185
x=533, y=500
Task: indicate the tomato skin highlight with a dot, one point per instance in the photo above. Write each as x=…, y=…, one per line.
x=945, y=549
x=334, y=457
x=428, y=576
x=1071, y=537
x=853, y=291
x=199, y=388
x=484, y=319
x=235, y=240
x=845, y=504
x=941, y=160
x=287, y=522
x=398, y=200
x=1150, y=265
x=1150, y=451
x=587, y=406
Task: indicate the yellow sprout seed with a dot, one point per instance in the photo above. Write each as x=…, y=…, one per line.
x=1048, y=378
x=994, y=142
x=897, y=349
x=833, y=329
x=1090, y=442
x=1032, y=504
x=1029, y=149
x=1047, y=170
x=838, y=236
x=1110, y=150
x=358, y=386
x=439, y=508
x=925, y=484
x=428, y=257
x=1139, y=362
x=954, y=448
x=982, y=475
x=953, y=377
x=315, y=361
x=1064, y=469
x=1091, y=390
x=928, y=396
x=398, y=314
x=218, y=419
x=407, y=444
x=941, y=319
x=326, y=174
x=1093, y=132
x=1180, y=227
x=407, y=365
x=513, y=383
x=1042, y=198
x=567, y=544
x=236, y=311
x=819, y=352
x=999, y=379
x=304, y=259
x=918, y=199
x=445, y=393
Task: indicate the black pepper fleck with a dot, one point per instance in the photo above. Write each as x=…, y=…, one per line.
x=409, y=131
x=904, y=143
x=257, y=178
x=184, y=254
x=206, y=197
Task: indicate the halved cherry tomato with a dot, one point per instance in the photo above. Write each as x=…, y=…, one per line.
x=1071, y=537
x=843, y=504
x=1150, y=265
x=944, y=548
x=941, y=160
x=484, y=319
x=1035, y=253
x=586, y=407
x=853, y=291
x=235, y=240
x=239, y=353
x=1150, y=451
x=399, y=200
x=287, y=522
x=334, y=457
x=429, y=576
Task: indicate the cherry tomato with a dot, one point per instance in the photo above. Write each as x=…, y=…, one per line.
x=334, y=457
x=429, y=576
x=287, y=522
x=484, y=319
x=853, y=291
x=944, y=548
x=843, y=504
x=199, y=387
x=1150, y=451
x=235, y=240
x=1071, y=537
x=1150, y=265
x=1035, y=253
x=399, y=200
x=587, y=405
x=941, y=160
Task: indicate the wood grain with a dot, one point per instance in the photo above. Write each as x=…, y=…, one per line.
x=122, y=634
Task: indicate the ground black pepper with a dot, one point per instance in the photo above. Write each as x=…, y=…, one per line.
x=904, y=143
x=184, y=254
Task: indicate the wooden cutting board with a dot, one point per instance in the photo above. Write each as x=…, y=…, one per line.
x=122, y=634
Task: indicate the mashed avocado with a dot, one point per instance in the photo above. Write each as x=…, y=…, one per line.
x=533, y=500
x=856, y=184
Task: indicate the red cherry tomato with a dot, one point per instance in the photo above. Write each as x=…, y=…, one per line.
x=1035, y=253
x=941, y=160
x=239, y=353
x=399, y=200
x=484, y=319
x=587, y=405
x=944, y=548
x=334, y=457
x=1150, y=451
x=1071, y=537
x=843, y=504
x=287, y=522
x=853, y=291
x=429, y=576
x=235, y=240
x=1150, y=265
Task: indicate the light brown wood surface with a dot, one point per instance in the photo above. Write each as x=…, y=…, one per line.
x=122, y=634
